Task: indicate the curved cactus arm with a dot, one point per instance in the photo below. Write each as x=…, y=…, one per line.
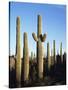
x=35, y=37
x=43, y=37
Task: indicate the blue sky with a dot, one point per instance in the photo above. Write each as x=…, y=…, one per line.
x=53, y=23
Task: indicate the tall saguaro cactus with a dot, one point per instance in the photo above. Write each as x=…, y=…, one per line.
x=48, y=56
x=26, y=58
x=18, y=53
x=54, y=52
x=39, y=39
x=61, y=52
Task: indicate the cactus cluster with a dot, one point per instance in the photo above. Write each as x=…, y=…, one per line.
x=39, y=39
x=52, y=59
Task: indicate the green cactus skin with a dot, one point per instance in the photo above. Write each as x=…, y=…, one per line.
x=48, y=56
x=32, y=57
x=61, y=52
x=52, y=63
x=54, y=52
x=18, y=53
x=26, y=58
x=39, y=39
x=52, y=60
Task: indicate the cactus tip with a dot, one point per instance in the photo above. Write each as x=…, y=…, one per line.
x=25, y=33
x=18, y=17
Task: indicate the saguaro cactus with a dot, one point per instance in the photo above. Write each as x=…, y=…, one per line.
x=54, y=52
x=48, y=56
x=39, y=39
x=32, y=56
x=26, y=58
x=61, y=52
x=52, y=61
x=18, y=53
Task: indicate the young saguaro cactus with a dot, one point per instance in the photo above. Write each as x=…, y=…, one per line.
x=48, y=56
x=61, y=52
x=39, y=39
x=32, y=56
x=26, y=58
x=52, y=61
x=54, y=52
x=18, y=53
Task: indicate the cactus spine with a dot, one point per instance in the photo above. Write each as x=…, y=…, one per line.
x=26, y=58
x=39, y=39
x=61, y=52
x=54, y=54
x=48, y=56
x=18, y=53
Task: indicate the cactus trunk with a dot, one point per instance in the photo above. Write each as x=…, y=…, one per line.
x=39, y=50
x=48, y=56
x=26, y=58
x=52, y=61
x=18, y=53
x=54, y=52
x=32, y=57
x=40, y=59
x=61, y=52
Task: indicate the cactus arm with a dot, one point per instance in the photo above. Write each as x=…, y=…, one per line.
x=43, y=37
x=35, y=37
